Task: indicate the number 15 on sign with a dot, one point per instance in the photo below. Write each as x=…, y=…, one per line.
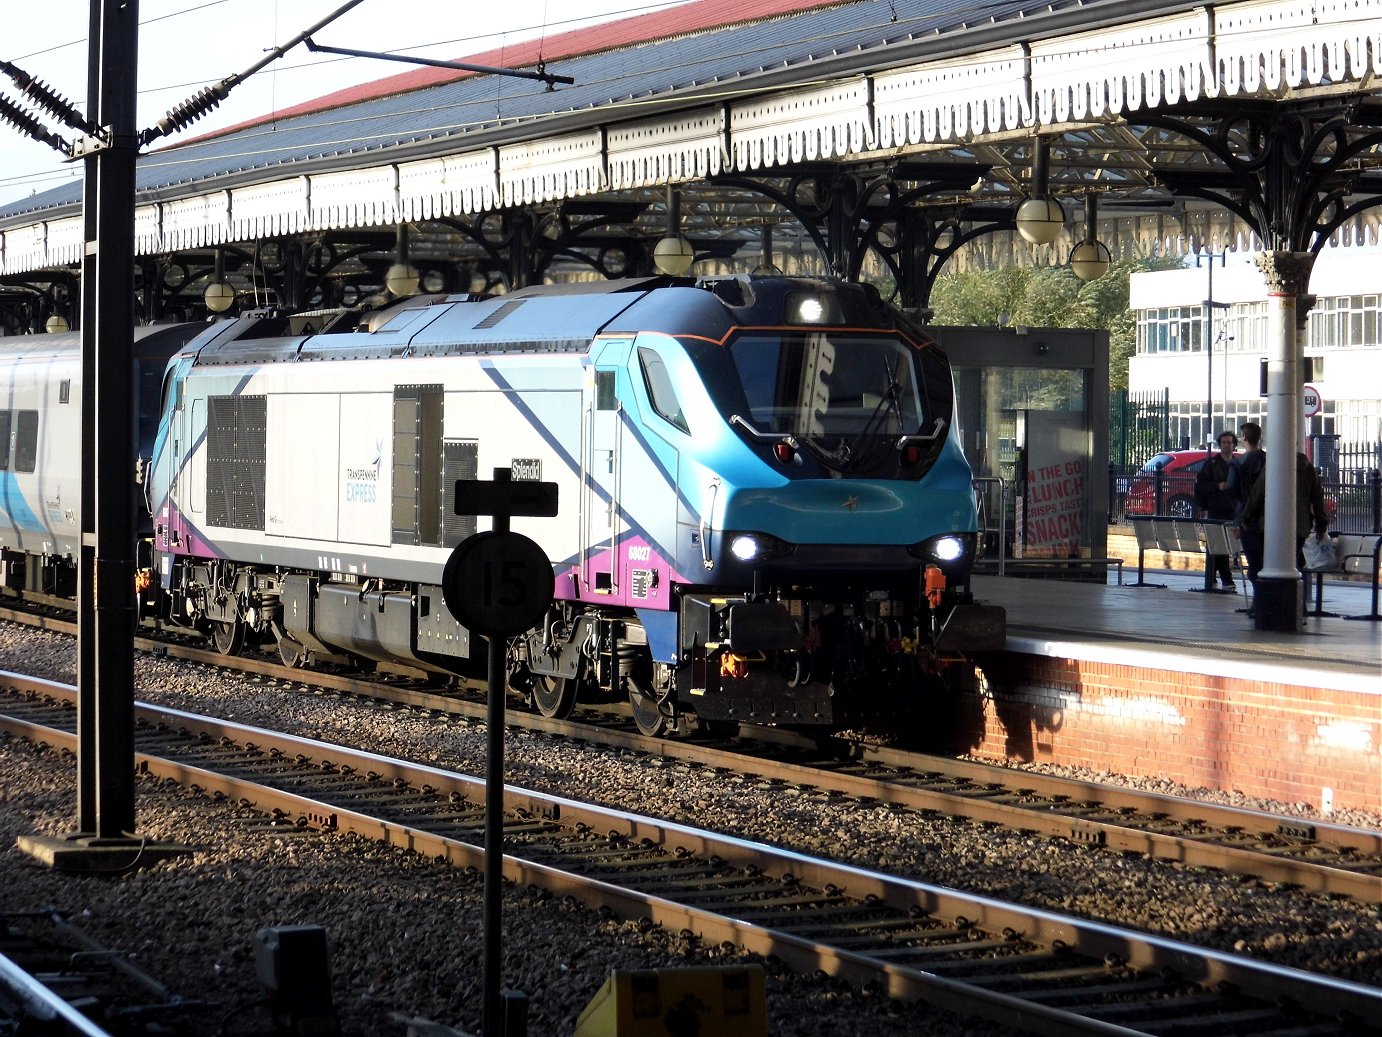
x=498, y=583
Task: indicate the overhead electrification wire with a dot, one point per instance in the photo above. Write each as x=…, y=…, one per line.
x=898, y=31
x=192, y=109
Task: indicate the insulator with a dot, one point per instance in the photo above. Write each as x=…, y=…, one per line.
x=11, y=112
x=186, y=113
x=46, y=98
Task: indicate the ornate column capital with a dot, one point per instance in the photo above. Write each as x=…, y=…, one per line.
x=1304, y=304
x=1287, y=273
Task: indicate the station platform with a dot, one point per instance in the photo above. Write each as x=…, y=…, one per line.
x=1174, y=683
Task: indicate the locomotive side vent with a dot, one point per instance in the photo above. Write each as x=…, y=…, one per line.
x=460, y=460
x=236, y=429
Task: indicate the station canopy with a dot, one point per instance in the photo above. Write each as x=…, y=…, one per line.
x=766, y=113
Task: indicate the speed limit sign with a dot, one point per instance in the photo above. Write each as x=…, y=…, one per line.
x=497, y=583
x=1311, y=401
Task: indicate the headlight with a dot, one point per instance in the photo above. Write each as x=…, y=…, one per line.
x=812, y=307
x=757, y=547
x=944, y=550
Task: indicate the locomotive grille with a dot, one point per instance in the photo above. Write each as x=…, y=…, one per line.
x=460, y=461
x=235, y=434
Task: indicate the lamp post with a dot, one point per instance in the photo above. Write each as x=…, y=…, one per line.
x=1209, y=307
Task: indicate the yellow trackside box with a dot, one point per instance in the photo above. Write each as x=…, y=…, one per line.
x=693, y=1002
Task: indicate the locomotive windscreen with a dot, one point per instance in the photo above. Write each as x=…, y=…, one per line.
x=827, y=385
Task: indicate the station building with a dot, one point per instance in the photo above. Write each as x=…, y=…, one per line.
x=1202, y=341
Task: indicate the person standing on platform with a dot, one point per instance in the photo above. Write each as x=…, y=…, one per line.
x=1310, y=513
x=1250, y=467
x=1216, y=491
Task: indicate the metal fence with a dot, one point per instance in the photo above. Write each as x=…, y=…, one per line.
x=1138, y=426
x=1141, y=426
x=1353, y=493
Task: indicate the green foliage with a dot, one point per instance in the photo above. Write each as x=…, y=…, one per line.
x=1048, y=297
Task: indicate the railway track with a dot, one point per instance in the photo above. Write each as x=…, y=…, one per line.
x=1022, y=967
x=55, y=981
x=1317, y=856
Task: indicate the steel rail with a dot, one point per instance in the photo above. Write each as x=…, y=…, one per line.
x=1148, y=955
x=53, y=1014
x=90, y=974
x=1317, y=856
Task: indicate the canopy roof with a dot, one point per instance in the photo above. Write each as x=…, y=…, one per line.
x=762, y=88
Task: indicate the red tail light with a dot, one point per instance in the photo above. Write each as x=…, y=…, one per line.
x=784, y=452
x=911, y=454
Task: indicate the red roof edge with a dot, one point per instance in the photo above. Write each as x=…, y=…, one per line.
x=697, y=16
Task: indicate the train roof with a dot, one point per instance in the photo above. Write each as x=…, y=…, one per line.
x=551, y=319
x=156, y=341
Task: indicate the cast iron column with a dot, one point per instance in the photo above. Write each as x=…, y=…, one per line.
x=1278, y=604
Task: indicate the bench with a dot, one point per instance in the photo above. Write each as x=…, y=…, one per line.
x=1354, y=553
x=1167, y=533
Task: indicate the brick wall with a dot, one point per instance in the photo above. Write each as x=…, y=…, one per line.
x=1235, y=734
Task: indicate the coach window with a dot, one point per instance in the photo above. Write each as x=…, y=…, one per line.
x=4, y=440
x=661, y=391
x=26, y=442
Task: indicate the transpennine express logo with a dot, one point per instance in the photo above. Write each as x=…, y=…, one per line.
x=362, y=484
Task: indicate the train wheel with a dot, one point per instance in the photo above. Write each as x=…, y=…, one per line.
x=290, y=653
x=1181, y=507
x=554, y=697
x=647, y=709
x=228, y=637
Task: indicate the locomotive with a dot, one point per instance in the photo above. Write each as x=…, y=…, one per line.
x=765, y=513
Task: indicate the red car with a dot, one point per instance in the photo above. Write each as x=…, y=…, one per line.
x=1178, y=469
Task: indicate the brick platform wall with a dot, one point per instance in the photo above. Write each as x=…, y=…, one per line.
x=1273, y=740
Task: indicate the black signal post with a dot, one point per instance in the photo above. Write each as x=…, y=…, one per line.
x=110, y=322
x=498, y=583
x=106, y=612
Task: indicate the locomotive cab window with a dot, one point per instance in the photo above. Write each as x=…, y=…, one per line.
x=828, y=385
x=661, y=391
x=605, y=398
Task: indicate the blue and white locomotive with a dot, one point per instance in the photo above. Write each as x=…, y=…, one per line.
x=765, y=514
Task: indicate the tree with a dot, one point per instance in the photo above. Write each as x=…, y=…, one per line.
x=1048, y=297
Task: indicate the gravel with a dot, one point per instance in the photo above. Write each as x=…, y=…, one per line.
x=404, y=931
